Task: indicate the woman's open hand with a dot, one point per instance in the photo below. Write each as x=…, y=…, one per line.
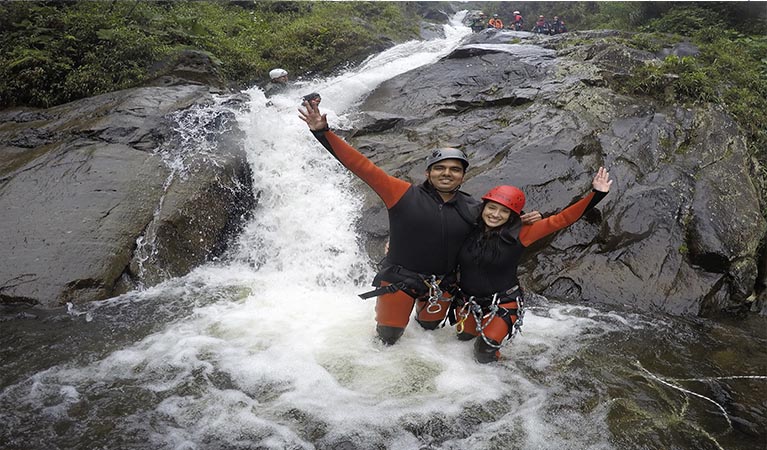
x=602, y=180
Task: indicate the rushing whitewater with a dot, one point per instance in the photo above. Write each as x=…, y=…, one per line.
x=271, y=348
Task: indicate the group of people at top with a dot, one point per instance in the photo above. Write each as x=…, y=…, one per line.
x=451, y=257
x=541, y=26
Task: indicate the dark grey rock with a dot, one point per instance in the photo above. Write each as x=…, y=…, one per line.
x=681, y=49
x=679, y=232
x=429, y=30
x=82, y=182
x=188, y=66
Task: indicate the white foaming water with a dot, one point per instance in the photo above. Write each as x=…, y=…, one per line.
x=292, y=362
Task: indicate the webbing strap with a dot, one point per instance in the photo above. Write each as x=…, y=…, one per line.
x=388, y=289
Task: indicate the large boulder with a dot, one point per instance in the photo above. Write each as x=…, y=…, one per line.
x=681, y=228
x=123, y=189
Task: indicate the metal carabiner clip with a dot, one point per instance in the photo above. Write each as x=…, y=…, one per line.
x=434, y=291
x=433, y=307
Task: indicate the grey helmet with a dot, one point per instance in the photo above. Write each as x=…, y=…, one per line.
x=442, y=154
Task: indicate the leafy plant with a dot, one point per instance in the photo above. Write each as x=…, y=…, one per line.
x=685, y=21
x=652, y=42
x=674, y=80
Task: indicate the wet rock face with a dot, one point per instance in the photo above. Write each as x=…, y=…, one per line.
x=82, y=184
x=188, y=67
x=665, y=238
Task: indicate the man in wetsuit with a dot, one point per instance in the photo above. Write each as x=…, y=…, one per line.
x=478, y=23
x=427, y=224
x=541, y=26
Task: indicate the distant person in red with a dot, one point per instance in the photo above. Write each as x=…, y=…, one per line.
x=519, y=22
x=541, y=26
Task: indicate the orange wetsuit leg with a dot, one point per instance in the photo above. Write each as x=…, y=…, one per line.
x=495, y=331
x=500, y=327
x=393, y=310
x=431, y=316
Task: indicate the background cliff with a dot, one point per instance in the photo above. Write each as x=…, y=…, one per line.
x=666, y=238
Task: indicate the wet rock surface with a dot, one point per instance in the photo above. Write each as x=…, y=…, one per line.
x=82, y=185
x=665, y=238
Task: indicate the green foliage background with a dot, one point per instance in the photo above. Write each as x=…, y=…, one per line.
x=55, y=52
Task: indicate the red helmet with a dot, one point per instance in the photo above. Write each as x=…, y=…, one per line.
x=508, y=196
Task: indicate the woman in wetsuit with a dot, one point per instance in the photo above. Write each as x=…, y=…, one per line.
x=488, y=261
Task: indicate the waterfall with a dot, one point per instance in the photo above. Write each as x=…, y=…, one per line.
x=271, y=348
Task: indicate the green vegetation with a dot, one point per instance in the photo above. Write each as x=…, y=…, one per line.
x=652, y=42
x=743, y=17
x=54, y=52
x=675, y=80
x=731, y=70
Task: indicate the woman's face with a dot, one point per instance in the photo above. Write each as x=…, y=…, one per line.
x=494, y=214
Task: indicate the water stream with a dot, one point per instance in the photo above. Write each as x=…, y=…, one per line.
x=270, y=348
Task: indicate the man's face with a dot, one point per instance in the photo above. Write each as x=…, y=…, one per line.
x=446, y=175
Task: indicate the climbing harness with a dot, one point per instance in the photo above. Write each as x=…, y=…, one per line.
x=388, y=289
x=413, y=283
x=485, y=309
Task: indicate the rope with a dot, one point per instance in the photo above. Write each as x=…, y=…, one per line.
x=681, y=389
x=733, y=377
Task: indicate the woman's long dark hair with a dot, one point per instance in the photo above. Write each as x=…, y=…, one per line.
x=487, y=241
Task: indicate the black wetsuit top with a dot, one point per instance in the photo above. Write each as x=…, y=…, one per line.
x=425, y=232
x=492, y=268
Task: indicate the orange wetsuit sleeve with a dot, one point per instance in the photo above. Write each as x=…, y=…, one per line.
x=531, y=233
x=389, y=188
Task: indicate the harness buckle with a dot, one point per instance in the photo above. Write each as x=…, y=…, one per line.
x=493, y=309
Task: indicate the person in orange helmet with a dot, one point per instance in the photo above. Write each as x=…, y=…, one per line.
x=489, y=301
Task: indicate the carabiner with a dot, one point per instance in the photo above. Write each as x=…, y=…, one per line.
x=431, y=310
